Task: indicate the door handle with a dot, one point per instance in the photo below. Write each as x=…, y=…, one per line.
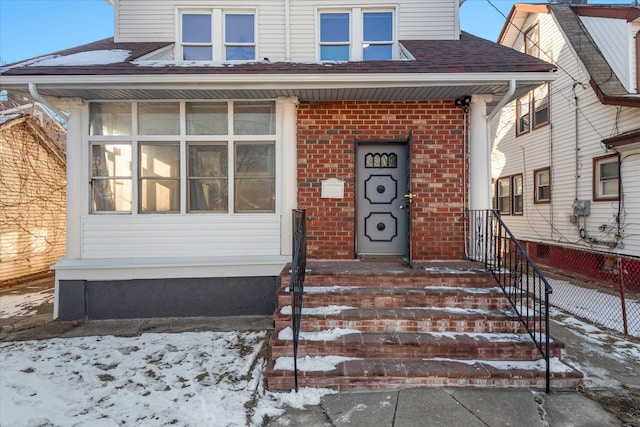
x=409, y=196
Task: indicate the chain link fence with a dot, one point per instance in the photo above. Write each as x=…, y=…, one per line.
x=599, y=287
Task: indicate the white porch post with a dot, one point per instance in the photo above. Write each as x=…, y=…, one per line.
x=479, y=174
x=479, y=154
x=75, y=183
x=287, y=126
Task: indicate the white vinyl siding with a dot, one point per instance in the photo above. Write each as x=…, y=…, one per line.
x=149, y=236
x=555, y=147
x=615, y=39
x=155, y=21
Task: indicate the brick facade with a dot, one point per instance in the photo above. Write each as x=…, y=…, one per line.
x=327, y=132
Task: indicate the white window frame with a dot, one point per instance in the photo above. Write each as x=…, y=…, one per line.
x=356, y=29
x=183, y=139
x=218, y=43
x=598, y=180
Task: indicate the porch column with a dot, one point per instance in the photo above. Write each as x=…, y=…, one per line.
x=75, y=183
x=479, y=154
x=287, y=127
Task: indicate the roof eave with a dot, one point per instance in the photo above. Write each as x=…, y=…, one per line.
x=617, y=100
x=274, y=80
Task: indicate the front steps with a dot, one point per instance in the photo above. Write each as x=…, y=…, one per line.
x=369, y=325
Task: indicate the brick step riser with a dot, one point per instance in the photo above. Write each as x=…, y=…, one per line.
x=400, y=301
x=476, y=281
x=384, y=383
x=520, y=352
x=396, y=325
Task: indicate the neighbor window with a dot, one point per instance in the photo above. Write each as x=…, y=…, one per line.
x=503, y=191
x=542, y=183
x=532, y=41
x=183, y=157
x=356, y=35
x=532, y=110
x=606, y=178
x=516, y=189
x=523, y=115
x=217, y=35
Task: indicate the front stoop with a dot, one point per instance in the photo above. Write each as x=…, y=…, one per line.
x=376, y=325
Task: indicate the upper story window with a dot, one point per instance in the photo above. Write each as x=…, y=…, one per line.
x=532, y=41
x=356, y=34
x=217, y=35
x=605, y=178
x=532, y=110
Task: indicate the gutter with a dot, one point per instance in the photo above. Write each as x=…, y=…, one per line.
x=33, y=90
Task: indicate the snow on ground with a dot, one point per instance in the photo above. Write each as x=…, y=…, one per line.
x=593, y=305
x=188, y=379
x=25, y=304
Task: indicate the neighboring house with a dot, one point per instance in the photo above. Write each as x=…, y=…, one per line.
x=196, y=130
x=32, y=191
x=566, y=156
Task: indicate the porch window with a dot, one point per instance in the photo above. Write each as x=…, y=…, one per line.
x=516, y=186
x=208, y=178
x=183, y=157
x=356, y=34
x=542, y=182
x=504, y=195
x=255, y=177
x=216, y=35
x=159, y=177
x=606, y=178
x=111, y=181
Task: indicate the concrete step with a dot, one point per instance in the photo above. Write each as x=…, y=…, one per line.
x=340, y=373
x=487, y=346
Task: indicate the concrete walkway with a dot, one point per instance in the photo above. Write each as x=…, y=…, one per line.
x=405, y=407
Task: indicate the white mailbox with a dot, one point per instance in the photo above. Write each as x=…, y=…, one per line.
x=332, y=188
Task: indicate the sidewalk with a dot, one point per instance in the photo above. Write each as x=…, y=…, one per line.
x=406, y=407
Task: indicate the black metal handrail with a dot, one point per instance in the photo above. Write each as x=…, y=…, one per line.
x=490, y=241
x=296, y=283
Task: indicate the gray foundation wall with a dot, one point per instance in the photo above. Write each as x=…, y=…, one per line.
x=192, y=297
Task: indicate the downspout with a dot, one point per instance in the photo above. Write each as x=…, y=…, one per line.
x=287, y=30
x=490, y=116
x=33, y=90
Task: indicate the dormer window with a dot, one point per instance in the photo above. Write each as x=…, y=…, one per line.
x=217, y=35
x=356, y=35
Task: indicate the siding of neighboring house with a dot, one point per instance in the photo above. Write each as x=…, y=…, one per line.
x=437, y=166
x=568, y=146
x=151, y=20
x=32, y=200
x=613, y=38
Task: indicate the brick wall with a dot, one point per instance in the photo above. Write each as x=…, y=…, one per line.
x=327, y=132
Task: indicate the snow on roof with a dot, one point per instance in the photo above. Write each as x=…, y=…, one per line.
x=92, y=57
